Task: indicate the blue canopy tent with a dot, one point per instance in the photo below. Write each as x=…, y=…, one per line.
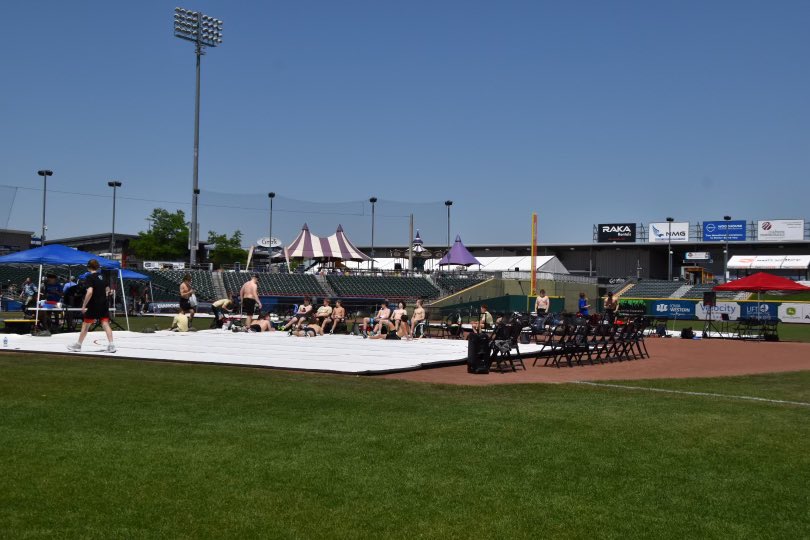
x=59, y=255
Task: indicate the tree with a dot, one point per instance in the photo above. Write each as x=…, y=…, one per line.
x=166, y=239
x=226, y=250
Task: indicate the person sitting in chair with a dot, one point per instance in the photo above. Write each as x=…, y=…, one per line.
x=299, y=316
x=418, y=320
x=323, y=312
x=400, y=331
x=337, y=317
x=485, y=322
x=383, y=314
x=396, y=316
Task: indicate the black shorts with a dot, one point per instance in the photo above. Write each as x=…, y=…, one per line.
x=249, y=306
x=96, y=313
x=185, y=305
x=255, y=328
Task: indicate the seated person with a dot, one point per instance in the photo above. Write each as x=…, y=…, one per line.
x=401, y=331
x=417, y=319
x=383, y=314
x=180, y=322
x=296, y=320
x=262, y=324
x=396, y=316
x=219, y=308
x=484, y=322
x=337, y=317
x=323, y=312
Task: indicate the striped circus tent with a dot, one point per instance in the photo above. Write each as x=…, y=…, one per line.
x=336, y=247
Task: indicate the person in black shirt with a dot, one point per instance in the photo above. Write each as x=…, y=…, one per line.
x=94, y=307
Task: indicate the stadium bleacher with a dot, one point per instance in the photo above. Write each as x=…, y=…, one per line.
x=653, y=288
x=275, y=284
x=698, y=290
x=395, y=287
x=166, y=284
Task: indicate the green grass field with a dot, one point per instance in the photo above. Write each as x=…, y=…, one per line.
x=114, y=448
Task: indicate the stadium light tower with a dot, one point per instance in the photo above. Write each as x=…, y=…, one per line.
x=373, y=201
x=271, y=196
x=203, y=31
x=44, y=173
x=725, y=251
x=669, y=247
x=115, y=185
x=448, y=204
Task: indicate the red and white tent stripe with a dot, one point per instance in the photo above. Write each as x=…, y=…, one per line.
x=337, y=247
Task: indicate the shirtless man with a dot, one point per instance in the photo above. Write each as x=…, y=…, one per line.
x=249, y=296
x=338, y=316
x=300, y=316
x=186, y=290
x=376, y=322
x=262, y=324
x=417, y=318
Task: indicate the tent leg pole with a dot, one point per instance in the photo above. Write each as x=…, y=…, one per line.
x=36, y=307
x=123, y=297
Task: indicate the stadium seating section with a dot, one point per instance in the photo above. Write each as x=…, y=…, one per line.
x=275, y=284
x=653, y=288
x=396, y=287
x=698, y=290
x=166, y=284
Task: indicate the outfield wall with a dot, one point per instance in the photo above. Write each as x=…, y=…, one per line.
x=691, y=309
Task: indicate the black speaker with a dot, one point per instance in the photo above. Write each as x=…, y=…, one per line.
x=709, y=298
x=397, y=266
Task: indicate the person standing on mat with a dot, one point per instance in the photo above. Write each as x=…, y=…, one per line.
x=186, y=291
x=249, y=296
x=94, y=307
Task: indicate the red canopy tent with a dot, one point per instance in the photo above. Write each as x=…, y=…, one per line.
x=762, y=282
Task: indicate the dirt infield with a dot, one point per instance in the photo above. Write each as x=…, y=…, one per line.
x=669, y=359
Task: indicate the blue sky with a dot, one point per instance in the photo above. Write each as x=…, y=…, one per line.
x=585, y=112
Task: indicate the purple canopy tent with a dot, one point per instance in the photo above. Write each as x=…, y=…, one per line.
x=458, y=255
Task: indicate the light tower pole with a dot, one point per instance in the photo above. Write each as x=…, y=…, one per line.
x=373, y=201
x=44, y=173
x=203, y=31
x=271, y=196
x=669, y=247
x=448, y=204
x=115, y=185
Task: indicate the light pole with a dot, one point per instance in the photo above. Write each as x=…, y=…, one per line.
x=669, y=247
x=725, y=252
x=448, y=204
x=115, y=185
x=271, y=196
x=373, y=201
x=44, y=173
x=203, y=31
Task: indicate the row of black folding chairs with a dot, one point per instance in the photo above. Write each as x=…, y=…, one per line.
x=581, y=341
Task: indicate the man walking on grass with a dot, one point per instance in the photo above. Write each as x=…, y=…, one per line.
x=94, y=307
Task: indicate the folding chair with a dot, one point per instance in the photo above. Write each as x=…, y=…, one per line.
x=505, y=339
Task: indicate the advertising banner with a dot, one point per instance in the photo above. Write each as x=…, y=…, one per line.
x=673, y=309
x=794, y=312
x=697, y=256
x=764, y=311
x=660, y=232
x=715, y=313
x=780, y=230
x=722, y=231
x=616, y=232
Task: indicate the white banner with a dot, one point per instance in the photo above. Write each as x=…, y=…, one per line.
x=661, y=232
x=780, y=230
x=794, y=313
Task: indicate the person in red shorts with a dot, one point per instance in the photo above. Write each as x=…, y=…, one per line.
x=94, y=307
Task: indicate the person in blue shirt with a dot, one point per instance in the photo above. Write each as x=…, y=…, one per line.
x=584, y=307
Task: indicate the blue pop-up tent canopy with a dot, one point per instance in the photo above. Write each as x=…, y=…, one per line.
x=59, y=255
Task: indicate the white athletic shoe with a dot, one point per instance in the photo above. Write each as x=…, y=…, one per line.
x=74, y=347
x=111, y=348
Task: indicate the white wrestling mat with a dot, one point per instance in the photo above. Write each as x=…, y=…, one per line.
x=329, y=353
